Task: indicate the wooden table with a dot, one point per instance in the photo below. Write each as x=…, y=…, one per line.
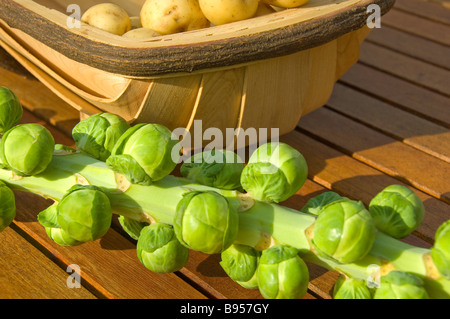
x=387, y=122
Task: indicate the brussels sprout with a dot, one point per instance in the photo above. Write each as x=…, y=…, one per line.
x=48, y=219
x=252, y=283
x=220, y=169
x=159, y=250
x=397, y=211
x=84, y=213
x=131, y=227
x=10, y=109
x=59, y=236
x=344, y=231
x=97, y=134
x=145, y=153
x=282, y=274
x=275, y=172
x=350, y=288
x=400, y=285
x=240, y=263
x=315, y=204
x=7, y=206
x=440, y=253
x=206, y=222
x=27, y=149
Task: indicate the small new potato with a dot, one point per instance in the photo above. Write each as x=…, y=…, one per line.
x=285, y=3
x=108, y=17
x=172, y=16
x=221, y=12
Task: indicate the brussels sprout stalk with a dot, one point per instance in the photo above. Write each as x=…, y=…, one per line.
x=261, y=225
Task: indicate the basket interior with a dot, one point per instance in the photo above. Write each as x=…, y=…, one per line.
x=311, y=10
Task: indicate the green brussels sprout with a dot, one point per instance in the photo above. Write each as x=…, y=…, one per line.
x=440, y=253
x=27, y=149
x=145, y=153
x=131, y=227
x=97, y=134
x=275, y=172
x=282, y=274
x=59, y=236
x=48, y=219
x=10, y=109
x=7, y=206
x=400, y=285
x=240, y=262
x=252, y=283
x=206, y=222
x=350, y=288
x=216, y=168
x=315, y=204
x=344, y=231
x=159, y=250
x=84, y=213
x=397, y=211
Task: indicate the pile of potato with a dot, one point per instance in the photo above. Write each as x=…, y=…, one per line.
x=159, y=17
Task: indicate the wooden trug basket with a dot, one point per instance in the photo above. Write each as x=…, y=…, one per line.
x=264, y=72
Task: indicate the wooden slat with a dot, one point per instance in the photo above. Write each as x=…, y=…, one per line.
x=413, y=130
x=425, y=28
x=419, y=169
x=410, y=69
x=425, y=9
x=406, y=95
x=359, y=181
x=411, y=45
x=26, y=273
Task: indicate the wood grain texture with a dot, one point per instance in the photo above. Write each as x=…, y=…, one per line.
x=410, y=69
x=419, y=26
x=226, y=51
x=406, y=95
x=426, y=9
x=419, y=48
x=419, y=169
x=411, y=129
x=29, y=274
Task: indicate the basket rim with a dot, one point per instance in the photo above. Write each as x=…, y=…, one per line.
x=173, y=58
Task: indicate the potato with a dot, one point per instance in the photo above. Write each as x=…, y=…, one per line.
x=286, y=3
x=108, y=17
x=221, y=12
x=172, y=16
x=141, y=33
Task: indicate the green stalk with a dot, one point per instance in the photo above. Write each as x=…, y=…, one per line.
x=261, y=225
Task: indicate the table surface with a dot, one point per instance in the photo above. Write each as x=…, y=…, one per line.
x=387, y=122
